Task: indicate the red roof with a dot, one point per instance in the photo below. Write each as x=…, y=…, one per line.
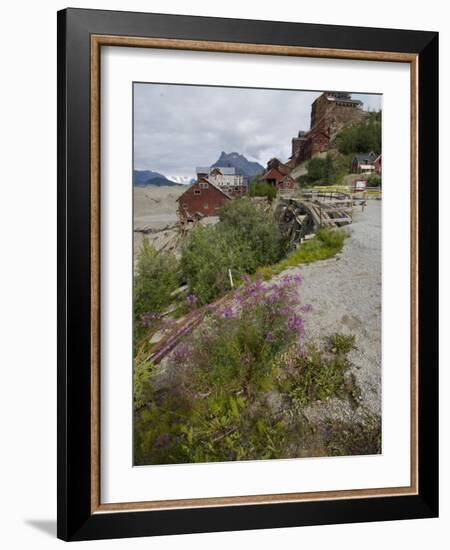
x=205, y=180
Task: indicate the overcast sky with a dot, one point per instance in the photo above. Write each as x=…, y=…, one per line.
x=177, y=128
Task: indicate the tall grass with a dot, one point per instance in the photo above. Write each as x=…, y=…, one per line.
x=326, y=244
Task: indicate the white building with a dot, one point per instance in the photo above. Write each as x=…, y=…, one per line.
x=225, y=177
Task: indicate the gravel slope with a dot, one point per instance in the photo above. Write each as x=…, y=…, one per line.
x=345, y=293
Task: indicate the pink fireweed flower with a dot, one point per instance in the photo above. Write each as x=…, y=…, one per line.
x=182, y=353
x=296, y=279
x=228, y=312
x=191, y=299
x=296, y=324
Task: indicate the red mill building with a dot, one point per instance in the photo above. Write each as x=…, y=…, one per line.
x=330, y=112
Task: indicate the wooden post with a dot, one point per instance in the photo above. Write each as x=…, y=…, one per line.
x=231, y=278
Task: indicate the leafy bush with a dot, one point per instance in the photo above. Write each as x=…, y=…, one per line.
x=255, y=228
x=205, y=261
x=263, y=189
x=361, y=137
x=156, y=277
x=374, y=181
x=244, y=239
x=341, y=343
x=142, y=389
x=320, y=170
x=326, y=171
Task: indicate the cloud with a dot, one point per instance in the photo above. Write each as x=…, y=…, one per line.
x=179, y=127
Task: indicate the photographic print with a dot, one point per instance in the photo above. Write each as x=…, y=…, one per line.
x=257, y=273
x=238, y=292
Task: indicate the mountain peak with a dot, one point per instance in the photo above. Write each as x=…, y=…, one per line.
x=149, y=177
x=231, y=155
x=240, y=163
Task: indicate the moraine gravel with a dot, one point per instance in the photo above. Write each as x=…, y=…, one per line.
x=345, y=293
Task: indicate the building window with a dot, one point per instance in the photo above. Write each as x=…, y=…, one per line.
x=236, y=188
x=204, y=185
x=197, y=191
x=206, y=206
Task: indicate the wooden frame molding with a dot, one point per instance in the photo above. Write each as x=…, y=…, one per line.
x=81, y=35
x=259, y=49
x=96, y=42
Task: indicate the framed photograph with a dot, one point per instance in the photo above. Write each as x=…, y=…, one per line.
x=247, y=252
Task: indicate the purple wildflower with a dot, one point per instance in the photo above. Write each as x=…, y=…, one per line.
x=306, y=308
x=182, y=353
x=301, y=352
x=228, y=312
x=270, y=337
x=296, y=279
x=191, y=299
x=295, y=323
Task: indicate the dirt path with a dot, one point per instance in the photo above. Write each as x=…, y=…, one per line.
x=345, y=293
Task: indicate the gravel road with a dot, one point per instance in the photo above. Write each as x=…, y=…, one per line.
x=345, y=292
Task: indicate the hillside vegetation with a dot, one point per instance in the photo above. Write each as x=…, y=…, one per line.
x=332, y=168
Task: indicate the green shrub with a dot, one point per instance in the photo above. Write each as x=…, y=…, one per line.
x=244, y=239
x=303, y=180
x=374, y=181
x=263, y=189
x=326, y=171
x=320, y=170
x=332, y=238
x=142, y=387
x=256, y=229
x=361, y=137
x=341, y=343
x=313, y=375
x=208, y=255
x=156, y=277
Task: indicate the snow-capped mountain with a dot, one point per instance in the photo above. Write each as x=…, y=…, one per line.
x=183, y=180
